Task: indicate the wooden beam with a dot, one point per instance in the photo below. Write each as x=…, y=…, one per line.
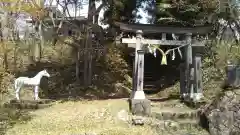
x=132, y=42
x=152, y=41
x=131, y=45
x=152, y=29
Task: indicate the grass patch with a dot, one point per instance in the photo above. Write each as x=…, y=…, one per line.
x=71, y=117
x=9, y=117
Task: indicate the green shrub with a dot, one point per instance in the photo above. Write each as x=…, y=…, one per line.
x=215, y=61
x=6, y=85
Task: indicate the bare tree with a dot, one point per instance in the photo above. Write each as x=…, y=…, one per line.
x=8, y=30
x=39, y=14
x=84, y=39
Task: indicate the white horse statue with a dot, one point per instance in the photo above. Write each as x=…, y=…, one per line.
x=35, y=81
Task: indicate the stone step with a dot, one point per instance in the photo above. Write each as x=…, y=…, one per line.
x=148, y=72
x=149, y=89
x=175, y=125
x=148, y=79
x=150, y=82
x=172, y=110
x=170, y=103
x=41, y=101
x=29, y=104
x=169, y=115
x=177, y=103
x=26, y=106
x=148, y=75
x=198, y=104
x=149, y=86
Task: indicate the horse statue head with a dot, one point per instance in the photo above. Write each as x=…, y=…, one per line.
x=45, y=73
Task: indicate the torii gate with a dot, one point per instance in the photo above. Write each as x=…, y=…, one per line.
x=190, y=74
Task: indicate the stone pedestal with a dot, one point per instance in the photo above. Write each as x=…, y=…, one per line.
x=140, y=107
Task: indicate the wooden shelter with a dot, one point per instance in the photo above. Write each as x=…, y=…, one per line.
x=190, y=73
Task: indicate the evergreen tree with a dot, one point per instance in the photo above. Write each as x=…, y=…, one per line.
x=181, y=12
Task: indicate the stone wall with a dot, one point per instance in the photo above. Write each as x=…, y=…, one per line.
x=222, y=116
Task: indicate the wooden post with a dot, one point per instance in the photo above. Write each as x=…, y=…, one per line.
x=133, y=80
x=198, y=86
x=182, y=81
x=138, y=76
x=188, y=66
x=139, y=104
x=140, y=70
x=138, y=47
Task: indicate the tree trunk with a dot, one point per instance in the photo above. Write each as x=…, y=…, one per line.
x=30, y=43
x=5, y=58
x=5, y=34
x=16, y=39
x=77, y=65
x=88, y=46
x=37, y=51
x=40, y=41
x=86, y=56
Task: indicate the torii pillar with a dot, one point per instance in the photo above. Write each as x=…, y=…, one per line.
x=139, y=104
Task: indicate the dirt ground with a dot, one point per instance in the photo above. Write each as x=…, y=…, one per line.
x=100, y=117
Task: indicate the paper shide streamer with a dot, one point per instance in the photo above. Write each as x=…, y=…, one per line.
x=173, y=55
x=180, y=53
x=153, y=48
